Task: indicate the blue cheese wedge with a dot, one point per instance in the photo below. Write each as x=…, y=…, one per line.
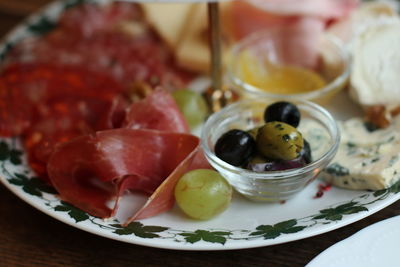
x=365, y=159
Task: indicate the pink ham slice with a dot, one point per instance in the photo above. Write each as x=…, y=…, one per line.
x=296, y=37
x=298, y=24
x=256, y=15
x=326, y=9
x=92, y=170
x=158, y=111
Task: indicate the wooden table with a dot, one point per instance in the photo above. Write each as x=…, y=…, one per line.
x=31, y=238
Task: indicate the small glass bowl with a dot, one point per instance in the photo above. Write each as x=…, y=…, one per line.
x=272, y=186
x=333, y=66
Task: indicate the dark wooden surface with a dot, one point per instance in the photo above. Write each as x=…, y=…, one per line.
x=31, y=238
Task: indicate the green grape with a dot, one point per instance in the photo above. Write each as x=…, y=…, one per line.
x=202, y=194
x=192, y=105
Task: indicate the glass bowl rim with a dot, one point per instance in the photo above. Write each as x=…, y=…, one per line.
x=255, y=91
x=270, y=175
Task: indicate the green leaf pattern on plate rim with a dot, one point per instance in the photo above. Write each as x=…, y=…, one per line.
x=13, y=167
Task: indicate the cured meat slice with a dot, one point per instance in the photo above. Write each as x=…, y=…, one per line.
x=296, y=25
x=62, y=124
x=48, y=104
x=92, y=170
x=124, y=58
x=255, y=15
x=158, y=111
x=327, y=9
x=98, y=18
x=114, y=40
x=26, y=90
x=200, y=161
x=295, y=38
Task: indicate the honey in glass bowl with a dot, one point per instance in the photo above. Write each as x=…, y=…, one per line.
x=256, y=69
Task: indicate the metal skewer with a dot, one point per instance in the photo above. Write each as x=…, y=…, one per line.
x=218, y=96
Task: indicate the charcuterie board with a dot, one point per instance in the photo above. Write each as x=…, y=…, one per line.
x=244, y=225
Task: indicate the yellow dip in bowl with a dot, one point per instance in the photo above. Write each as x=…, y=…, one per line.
x=255, y=72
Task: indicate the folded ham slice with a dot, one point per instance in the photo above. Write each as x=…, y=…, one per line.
x=149, y=154
x=159, y=111
x=92, y=170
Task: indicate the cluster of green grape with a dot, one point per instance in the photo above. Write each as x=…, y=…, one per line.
x=201, y=194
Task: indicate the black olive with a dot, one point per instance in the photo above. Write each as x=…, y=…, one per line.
x=235, y=147
x=306, y=152
x=284, y=112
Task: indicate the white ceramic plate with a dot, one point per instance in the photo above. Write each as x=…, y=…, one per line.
x=376, y=245
x=244, y=225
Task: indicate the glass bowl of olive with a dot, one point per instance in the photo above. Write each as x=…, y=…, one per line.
x=269, y=151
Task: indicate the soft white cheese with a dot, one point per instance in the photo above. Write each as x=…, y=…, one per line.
x=366, y=160
x=375, y=75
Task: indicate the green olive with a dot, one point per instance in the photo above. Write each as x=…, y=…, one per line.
x=253, y=132
x=278, y=140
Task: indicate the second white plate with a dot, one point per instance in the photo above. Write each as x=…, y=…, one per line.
x=376, y=245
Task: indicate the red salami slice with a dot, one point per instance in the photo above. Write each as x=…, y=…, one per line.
x=98, y=18
x=105, y=44
x=91, y=170
x=158, y=111
x=48, y=104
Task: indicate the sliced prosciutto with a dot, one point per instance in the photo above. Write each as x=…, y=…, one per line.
x=93, y=170
x=158, y=111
